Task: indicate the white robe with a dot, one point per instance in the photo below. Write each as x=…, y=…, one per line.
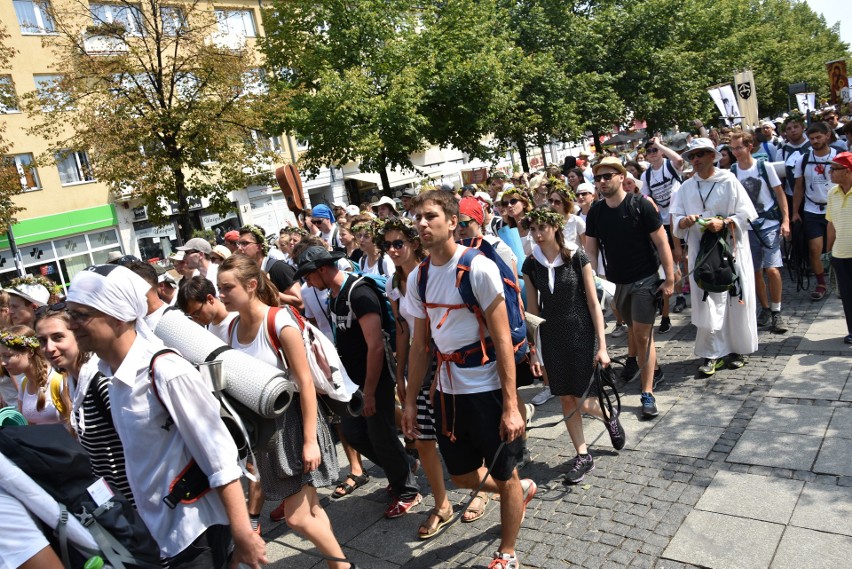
x=724, y=324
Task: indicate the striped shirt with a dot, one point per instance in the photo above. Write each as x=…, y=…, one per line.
x=100, y=439
x=839, y=213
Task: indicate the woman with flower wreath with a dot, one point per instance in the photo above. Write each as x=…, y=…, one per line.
x=399, y=238
x=561, y=200
x=373, y=261
x=43, y=391
x=26, y=294
x=561, y=285
x=516, y=204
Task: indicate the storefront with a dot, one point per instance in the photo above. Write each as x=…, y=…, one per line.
x=58, y=246
x=158, y=242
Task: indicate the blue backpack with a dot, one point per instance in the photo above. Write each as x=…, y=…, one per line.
x=481, y=352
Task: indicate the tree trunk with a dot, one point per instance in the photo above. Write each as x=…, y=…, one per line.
x=386, y=187
x=184, y=231
x=522, y=151
x=544, y=159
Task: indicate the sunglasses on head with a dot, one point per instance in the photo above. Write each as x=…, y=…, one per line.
x=395, y=244
x=512, y=201
x=607, y=177
x=48, y=308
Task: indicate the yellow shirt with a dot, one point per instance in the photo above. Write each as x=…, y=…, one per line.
x=839, y=213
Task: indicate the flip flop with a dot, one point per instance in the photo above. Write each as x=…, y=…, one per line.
x=349, y=488
x=444, y=518
x=477, y=512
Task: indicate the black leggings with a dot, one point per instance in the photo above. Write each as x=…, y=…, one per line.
x=843, y=270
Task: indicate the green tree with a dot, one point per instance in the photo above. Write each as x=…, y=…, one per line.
x=350, y=70
x=167, y=100
x=10, y=184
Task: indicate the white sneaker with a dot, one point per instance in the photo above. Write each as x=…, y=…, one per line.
x=619, y=330
x=542, y=396
x=530, y=413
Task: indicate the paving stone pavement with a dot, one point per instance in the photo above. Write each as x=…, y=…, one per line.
x=752, y=469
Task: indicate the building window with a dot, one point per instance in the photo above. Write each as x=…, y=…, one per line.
x=25, y=170
x=128, y=16
x=238, y=23
x=8, y=97
x=265, y=142
x=172, y=20
x=34, y=17
x=49, y=94
x=74, y=167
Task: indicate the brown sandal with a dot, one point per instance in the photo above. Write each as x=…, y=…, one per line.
x=445, y=517
x=477, y=511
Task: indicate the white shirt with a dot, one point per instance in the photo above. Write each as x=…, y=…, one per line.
x=461, y=327
x=574, y=227
x=20, y=537
x=816, y=179
x=382, y=262
x=317, y=309
x=156, y=456
x=220, y=330
x=760, y=194
x=662, y=188
x=260, y=347
x=49, y=414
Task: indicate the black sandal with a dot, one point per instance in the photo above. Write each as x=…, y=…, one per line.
x=349, y=488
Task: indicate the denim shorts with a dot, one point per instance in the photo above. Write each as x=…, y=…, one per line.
x=765, y=247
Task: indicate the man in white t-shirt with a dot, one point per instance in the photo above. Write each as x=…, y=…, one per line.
x=662, y=180
x=475, y=406
x=324, y=220
x=763, y=187
x=811, y=172
x=197, y=299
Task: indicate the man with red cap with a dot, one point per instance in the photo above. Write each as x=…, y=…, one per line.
x=471, y=221
x=231, y=238
x=839, y=215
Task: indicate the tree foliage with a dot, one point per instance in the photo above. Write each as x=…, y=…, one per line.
x=10, y=184
x=164, y=103
x=350, y=70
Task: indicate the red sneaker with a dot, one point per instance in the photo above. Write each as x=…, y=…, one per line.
x=399, y=507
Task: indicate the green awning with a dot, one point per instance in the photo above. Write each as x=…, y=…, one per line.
x=39, y=229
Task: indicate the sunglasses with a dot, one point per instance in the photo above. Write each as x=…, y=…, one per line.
x=584, y=194
x=606, y=177
x=512, y=201
x=555, y=202
x=48, y=308
x=699, y=153
x=316, y=221
x=651, y=150
x=465, y=224
x=79, y=317
x=395, y=244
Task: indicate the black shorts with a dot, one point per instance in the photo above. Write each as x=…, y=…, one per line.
x=815, y=225
x=477, y=432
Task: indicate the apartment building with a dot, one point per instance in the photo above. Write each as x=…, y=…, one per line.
x=70, y=219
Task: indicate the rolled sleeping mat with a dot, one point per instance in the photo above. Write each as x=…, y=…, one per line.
x=351, y=408
x=9, y=417
x=262, y=388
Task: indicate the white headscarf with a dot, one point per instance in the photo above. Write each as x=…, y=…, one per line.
x=116, y=291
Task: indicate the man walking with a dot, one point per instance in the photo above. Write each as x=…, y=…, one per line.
x=811, y=192
x=631, y=235
x=839, y=216
x=107, y=306
x=763, y=187
x=356, y=313
x=714, y=198
x=475, y=403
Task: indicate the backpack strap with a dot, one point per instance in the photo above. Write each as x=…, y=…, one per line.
x=673, y=171
x=56, y=392
x=152, y=378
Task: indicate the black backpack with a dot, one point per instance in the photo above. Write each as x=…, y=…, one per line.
x=60, y=466
x=715, y=266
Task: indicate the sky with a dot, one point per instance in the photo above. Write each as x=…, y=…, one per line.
x=833, y=10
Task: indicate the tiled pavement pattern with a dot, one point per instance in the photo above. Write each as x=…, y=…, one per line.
x=751, y=469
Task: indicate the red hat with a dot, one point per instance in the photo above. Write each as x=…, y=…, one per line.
x=844, y=160
x=233, y=235
x=472, y=208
